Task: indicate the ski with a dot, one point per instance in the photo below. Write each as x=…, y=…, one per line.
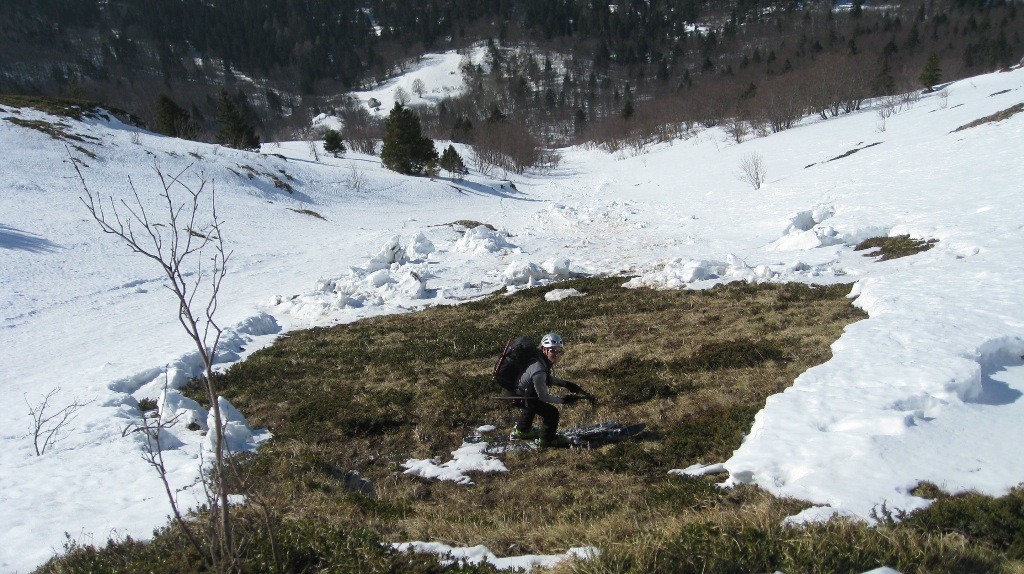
x=589, y=436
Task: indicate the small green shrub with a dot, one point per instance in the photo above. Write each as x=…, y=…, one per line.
x=147, y=404
x=708, y=436
x=732, y=354
x=996, y=521
x=684, y=493
x=836, y=546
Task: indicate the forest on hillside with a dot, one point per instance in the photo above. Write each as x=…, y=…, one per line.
x=557, y=71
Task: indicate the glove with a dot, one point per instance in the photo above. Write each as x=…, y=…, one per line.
x=571, y=399
x=574, y=388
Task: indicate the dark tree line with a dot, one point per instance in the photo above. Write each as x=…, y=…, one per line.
x=612, y=67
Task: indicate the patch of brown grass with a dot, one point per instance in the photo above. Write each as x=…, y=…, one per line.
x=694, y=365
x=996, y=117
x=894, y=247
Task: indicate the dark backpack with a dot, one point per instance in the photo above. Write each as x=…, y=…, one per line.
x=517, y=356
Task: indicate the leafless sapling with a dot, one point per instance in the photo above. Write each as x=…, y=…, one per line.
x=49, y=426
x=188, y=246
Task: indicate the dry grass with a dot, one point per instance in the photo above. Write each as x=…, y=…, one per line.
x=894, y=247
x=996, y=117
x=695, y=366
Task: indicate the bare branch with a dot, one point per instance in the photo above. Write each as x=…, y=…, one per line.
x=180, y=252
x=50, y=427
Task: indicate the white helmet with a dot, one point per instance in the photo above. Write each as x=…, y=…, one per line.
x=551, y=341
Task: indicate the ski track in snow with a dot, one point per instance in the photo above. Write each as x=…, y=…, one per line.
x=928, y=388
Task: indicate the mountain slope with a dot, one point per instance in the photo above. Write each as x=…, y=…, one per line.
x=925, y=389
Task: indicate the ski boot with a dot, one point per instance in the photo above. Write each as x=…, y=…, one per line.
x=531, y=434
x=559, y=441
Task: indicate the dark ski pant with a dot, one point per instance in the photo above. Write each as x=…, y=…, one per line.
x=547, y=412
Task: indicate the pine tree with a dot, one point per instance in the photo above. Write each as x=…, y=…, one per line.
x=171, y=119
x=451, y=162
x=333, y=144
x=462, y=130
x=405, y=150
x=627, y=109
x=234, y=131
x=932, y=73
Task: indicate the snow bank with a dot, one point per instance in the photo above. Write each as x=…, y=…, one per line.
x=396, y=276
x=238, y=435
x=679, y=273
x=175, y=408
x=479, y=554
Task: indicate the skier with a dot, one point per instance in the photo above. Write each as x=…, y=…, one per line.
x=534, y=386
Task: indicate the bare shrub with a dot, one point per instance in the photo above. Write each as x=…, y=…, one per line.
x=506, y=145
x=362, y=131
x=752, y=170
x=737, y=128
x=401, y=96
x=49, y=426
x=779, y=106
x=188, y=246
x=355, y=179
x=891, y=105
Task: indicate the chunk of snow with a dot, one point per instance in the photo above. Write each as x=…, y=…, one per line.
x=481, y=240
x=419, y=247
x=559, y=294
x=390, y=253
x=181, y=410
x=467, y=458
x=698, y=470
x=557, y=268
x=238, y=437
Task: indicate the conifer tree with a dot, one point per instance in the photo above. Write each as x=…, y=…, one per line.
x=234, y=131
x=932, y=73
x=171, y=119
x=333, y=144
x=452, y=162
x=628, y=110
x=405, y=150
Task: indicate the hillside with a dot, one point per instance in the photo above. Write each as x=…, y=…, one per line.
x=699, y=60
x=925, y=389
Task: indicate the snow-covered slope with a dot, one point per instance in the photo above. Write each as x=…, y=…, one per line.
x=927, y=388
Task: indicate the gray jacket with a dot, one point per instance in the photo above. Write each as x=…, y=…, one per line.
x=536, y=379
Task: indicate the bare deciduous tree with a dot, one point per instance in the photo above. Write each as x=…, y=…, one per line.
x=752, y=169
x=418, y=87
x=361, y=130
x=737, y=128
x=401, y=96
x=49, y=426
x=181, y=242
